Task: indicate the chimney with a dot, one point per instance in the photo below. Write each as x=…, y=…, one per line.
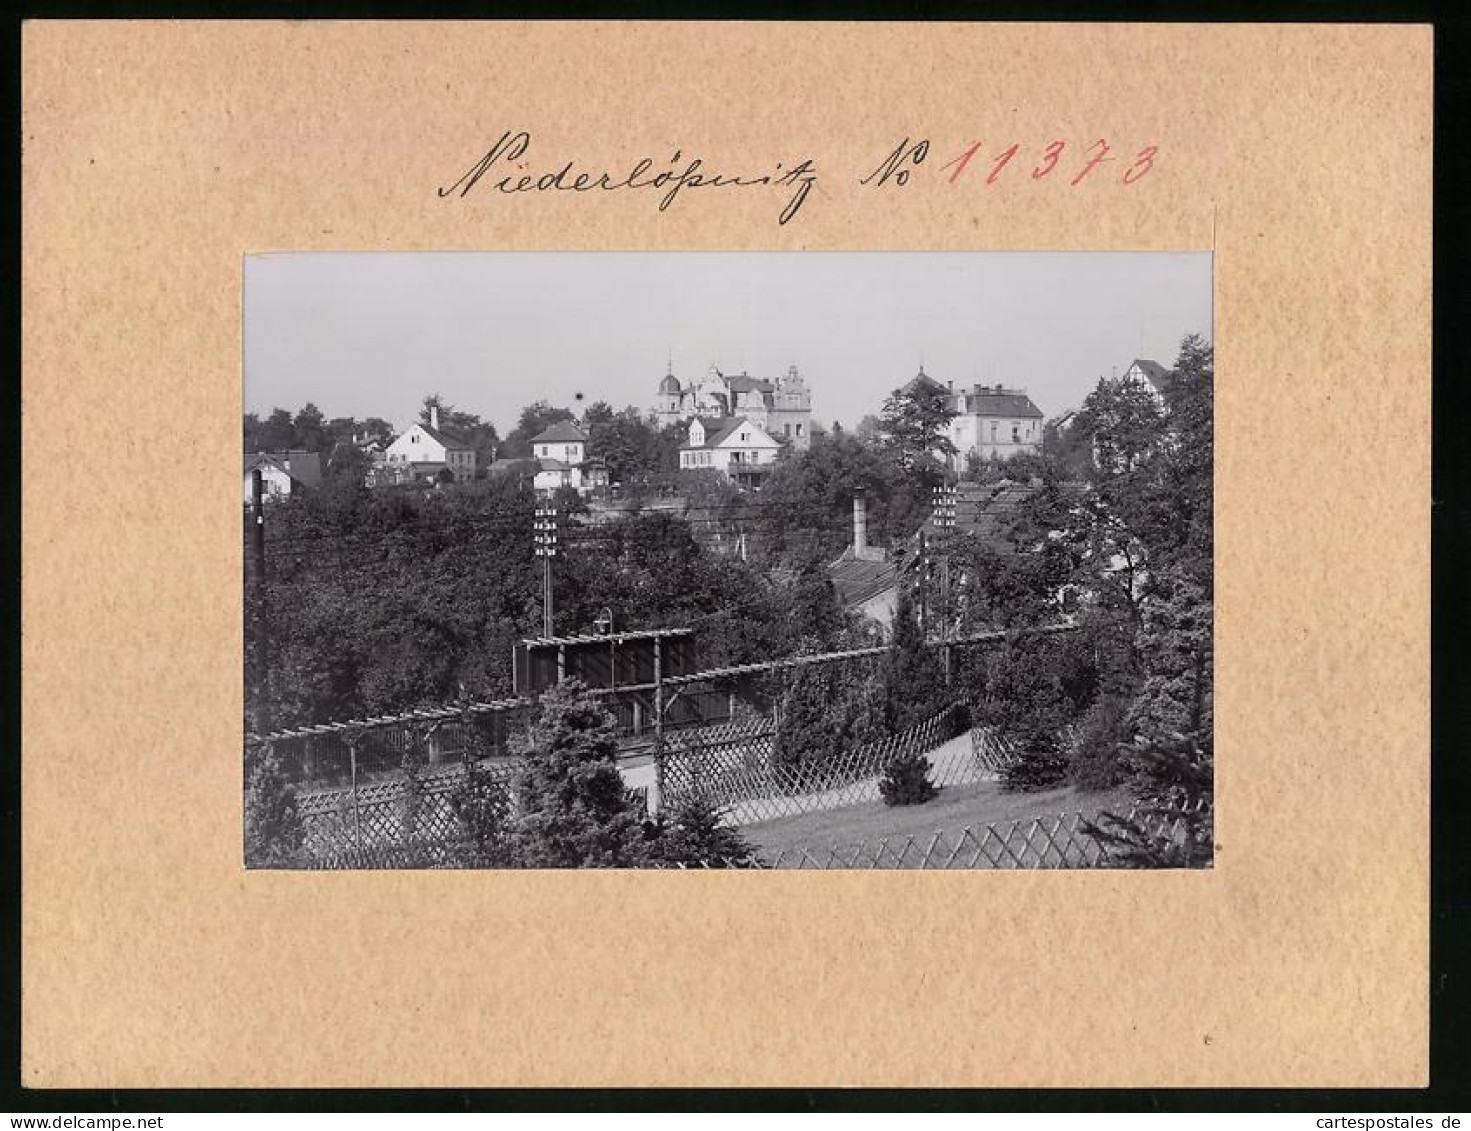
x=860, y=525
x=434, y=417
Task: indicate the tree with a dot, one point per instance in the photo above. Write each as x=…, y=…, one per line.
x=310, y=429
x=1174, y=824
x=573, y=810
x=274, y=832
x=481, y=805
x=277, y=432
x=914, y=683
x=535, y=418
x=915, y=422
x=692, y=835
x=626, y=440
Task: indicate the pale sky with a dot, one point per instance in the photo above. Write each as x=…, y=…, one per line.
x=372, y=333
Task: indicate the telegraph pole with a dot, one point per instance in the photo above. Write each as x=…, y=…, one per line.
x=544, y=544
x=262, y=647
x=944, y=515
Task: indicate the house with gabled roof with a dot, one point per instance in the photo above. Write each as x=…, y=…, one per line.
x=426, y=451
x=561, y=455
x=283, y=474
x=1150, y=376
x=990, y=421
x=732, y=445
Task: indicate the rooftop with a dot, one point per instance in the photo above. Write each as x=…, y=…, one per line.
x=562, y=432
x=859, y=579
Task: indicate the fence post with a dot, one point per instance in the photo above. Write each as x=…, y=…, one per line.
x=353, y=738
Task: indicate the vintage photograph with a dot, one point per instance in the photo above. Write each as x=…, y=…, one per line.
x=728, y=560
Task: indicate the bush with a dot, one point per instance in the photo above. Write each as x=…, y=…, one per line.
x=906, y=780
x=1096, y=762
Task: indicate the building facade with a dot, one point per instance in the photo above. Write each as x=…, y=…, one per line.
x=423, y=451
x=561, y=453
x=1150, y=376
x=990, y=421
x=283, y=474
x=781, y=408
x=732, y=445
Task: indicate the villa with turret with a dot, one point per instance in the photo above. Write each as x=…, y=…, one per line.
x=781, y=409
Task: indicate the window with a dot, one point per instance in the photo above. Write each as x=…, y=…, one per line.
x=993, y=431
x=1016, y=433
x=799, y=430
x=755, y=457
x=414, y=439
x=546, y=450
x=745, y=437
x=786, y=429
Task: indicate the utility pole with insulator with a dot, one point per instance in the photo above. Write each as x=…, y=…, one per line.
x=944, y=518
x=544, y=546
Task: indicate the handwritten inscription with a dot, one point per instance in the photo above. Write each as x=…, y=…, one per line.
x=507, y=168
x=678, y=175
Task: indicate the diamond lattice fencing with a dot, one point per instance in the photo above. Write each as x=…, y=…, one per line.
x=737, y=768
x=1051, y=842
x=387, y=814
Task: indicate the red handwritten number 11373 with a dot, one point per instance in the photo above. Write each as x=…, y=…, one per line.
x=1095, y=155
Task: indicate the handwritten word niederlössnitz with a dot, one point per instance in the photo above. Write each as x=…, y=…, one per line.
x=677, y=175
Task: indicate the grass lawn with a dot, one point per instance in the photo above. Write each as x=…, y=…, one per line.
x=976, y=804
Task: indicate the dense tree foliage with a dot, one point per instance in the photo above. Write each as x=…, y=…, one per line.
x=1119, y=533
x=379, y=601
x=915, y=425
x=805, y=510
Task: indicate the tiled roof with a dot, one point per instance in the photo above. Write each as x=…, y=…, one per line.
x=924, y=382
x=448, y=439
x=982, y=402
x=514, y=467
x=717, y=430
x=562, y=432
x=1153, y=370
x=858, y=580
x=988, y=511
x=264, y=459
x=741, y=383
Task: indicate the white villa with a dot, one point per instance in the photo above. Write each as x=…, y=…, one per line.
x=781, y=408
x=992, y=421
x=731, y=445
x=560, y=452
x=424, y=451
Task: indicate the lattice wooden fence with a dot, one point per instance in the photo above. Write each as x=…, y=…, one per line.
x=1054, y=842
x=387, y=813
x=387, y=817
x=1040, y=842
x=736, y=768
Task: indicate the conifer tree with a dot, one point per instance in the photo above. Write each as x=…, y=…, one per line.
x=274, y=833
x=693, y=836
x=906, y=780
x=572, y=807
